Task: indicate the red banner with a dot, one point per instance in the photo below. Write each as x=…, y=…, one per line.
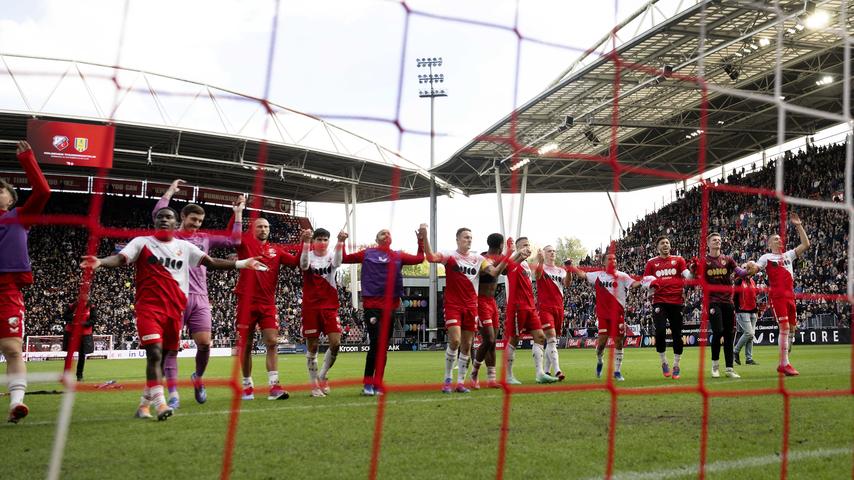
x=573, y=343
x=272, y=204
x=118, y=187
x=17, y=180
x=75, y=144
x=156, y=190
x=207, y=195
x=63, y=182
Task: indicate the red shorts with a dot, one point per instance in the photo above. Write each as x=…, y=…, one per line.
x=159, y=327
x=552, y=317
x=785, y=311
x=607, y=325
x=519, y=322
x=11, y=313
x=487, y=312
x=253, y=315
x=320, y=320
x=465, y=318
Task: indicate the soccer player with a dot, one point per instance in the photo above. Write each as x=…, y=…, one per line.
x=611, y=289
x=378, y=302
x=162, y=264
x=462, y=280
x=719, y=272
x=487, y=315
x=781, y=281
x=85, y=343
x=256, y=305
x=197, y=315
x=320, y=303
x=746, y=316
x=16, y=272
x=667, y=301
x=551, y=281
x=521, y=315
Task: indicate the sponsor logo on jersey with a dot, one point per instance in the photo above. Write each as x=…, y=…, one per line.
x=665, y=272
x=717, y=272
x=555, y=278
x=169, y=263
x=321, y=271
x=469, y=271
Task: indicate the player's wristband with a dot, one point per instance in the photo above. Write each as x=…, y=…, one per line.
x=241, y=264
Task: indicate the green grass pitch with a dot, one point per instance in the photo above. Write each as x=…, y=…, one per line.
x=431, y=435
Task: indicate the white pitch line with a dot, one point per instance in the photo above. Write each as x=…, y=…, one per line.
x=311, y=406
x=727, y=465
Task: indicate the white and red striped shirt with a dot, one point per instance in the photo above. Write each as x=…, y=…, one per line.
x=611, y=292
x=462, y=278
x=162, y=272
x=319, y=288
x=550, y=286
x=781, y=276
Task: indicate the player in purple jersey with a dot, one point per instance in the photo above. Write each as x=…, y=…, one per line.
x=197, y=316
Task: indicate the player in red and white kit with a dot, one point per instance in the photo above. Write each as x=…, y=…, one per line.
x=670, y=272
x=462, y=279
x=521, y=315
x=611, y=288
x=16, y=272
x=320, y=303
x=256, y=305
x=162, y=268
x=781, y=281
x=551, y=281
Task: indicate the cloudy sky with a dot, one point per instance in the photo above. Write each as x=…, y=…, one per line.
x=339, y=59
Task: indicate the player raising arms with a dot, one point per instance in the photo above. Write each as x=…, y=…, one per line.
x=379, y=263
x=719, y=272
x=16, y=272
x=521, y=314
x=320, y=303
x=256, y=305
x=462, y=271
x=667, y=301
x=487, y=315
x=197, y=315
x=781, y=281
x=162, y=269
x=611, y=288
x=551, y=280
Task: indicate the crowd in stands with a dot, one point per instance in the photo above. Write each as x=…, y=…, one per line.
x=744, y=220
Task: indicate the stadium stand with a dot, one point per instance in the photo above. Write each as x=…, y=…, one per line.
x=816, y=172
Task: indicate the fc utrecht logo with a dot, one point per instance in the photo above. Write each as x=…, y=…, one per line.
x=81, y=144
x=60, y=142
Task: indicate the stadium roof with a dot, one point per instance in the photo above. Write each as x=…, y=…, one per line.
x=658, y=122
x=206, y=135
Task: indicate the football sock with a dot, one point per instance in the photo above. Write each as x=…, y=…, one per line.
x=618, y=360
x=450, y=358
x=463, y=366
x=538, y=359
x=273, y=377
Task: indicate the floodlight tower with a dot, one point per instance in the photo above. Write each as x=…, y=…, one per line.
x=429, y=81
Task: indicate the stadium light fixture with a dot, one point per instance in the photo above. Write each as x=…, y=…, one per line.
x=825, y=80
x=819, y=19
x=430, y=79
x=764, y=42
x=520, y=164
x=548, y=148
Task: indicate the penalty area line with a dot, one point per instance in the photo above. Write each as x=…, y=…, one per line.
x=727, y=465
